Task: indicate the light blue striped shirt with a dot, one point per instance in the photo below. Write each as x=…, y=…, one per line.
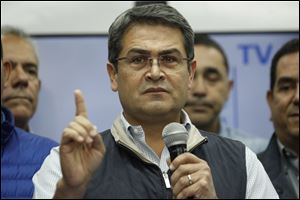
x=137, y=135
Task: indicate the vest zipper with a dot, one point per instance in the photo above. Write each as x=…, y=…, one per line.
x=166, y=187
x=167, y=180
x=205, y=140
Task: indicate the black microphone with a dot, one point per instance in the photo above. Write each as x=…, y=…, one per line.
x=175, y=137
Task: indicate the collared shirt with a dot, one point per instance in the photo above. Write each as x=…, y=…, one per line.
x=136, y=133
x=256, y=144
x=290, y=162
x=258, y=185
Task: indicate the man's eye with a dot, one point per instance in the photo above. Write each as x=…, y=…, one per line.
x=284, y=87
x=32, y=71
x=138, y=59
x=169, y=59
x=212, y=76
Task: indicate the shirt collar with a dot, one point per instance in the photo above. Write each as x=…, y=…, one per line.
x=131, y=130
x=286, y=151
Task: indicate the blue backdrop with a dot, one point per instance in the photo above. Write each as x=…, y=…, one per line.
x=68, y=63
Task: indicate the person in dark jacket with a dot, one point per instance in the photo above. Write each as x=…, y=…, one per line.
x=22, y=153
x=281, y=158
x=151, y=66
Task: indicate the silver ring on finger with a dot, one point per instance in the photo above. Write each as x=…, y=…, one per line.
x=190, y=179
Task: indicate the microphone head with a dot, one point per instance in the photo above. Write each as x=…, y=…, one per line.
x=174, y=134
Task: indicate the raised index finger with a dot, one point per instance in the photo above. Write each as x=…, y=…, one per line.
x=80, y=104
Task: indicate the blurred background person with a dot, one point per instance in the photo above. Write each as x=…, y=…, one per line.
x=281, y=158
x=21, y=90
x=22, y=153
x=210, y=91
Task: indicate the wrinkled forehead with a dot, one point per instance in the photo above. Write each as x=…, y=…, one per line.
x=153, y=38
x=288, y=65
x=19, y=49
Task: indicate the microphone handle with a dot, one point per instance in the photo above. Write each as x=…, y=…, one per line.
x=176, y=150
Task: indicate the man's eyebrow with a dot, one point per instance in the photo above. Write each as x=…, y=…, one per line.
x=140, y=51
x=147, y=52
x=286, y=79
x=211, y=69
x=30, y=64
x=170, y=51
x=25, y=63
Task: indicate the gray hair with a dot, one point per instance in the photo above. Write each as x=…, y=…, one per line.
x=17, y=32
x=149, y=14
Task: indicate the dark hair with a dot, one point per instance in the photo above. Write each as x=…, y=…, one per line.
x=204, y=39
x=149, y=14
x=142, y=3
x=291, y=46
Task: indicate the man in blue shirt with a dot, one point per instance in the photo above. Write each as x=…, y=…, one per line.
x=22, y=153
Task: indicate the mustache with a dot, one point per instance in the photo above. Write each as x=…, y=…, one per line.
x=199, y=102
x=294, y=109
x=155, y=88
x=294, y=113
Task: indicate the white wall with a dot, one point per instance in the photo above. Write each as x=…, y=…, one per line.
x=85, y=17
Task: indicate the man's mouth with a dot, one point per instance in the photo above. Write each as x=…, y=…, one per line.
x=16, y=98
x=155, y=90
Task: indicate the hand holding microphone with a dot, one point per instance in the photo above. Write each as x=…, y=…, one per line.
x=191, y=176
x=81, y=152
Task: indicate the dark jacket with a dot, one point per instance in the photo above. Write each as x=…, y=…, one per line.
x=126, y=173
x=22, y=154
x=273, y=165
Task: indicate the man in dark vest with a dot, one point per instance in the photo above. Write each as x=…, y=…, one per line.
x=151, y=66
x=281, y=158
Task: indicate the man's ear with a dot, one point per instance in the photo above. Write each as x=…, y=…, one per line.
x=113, y=76
x=230, y=84
x=40, y=84
x=192, y=71
x=270, y=100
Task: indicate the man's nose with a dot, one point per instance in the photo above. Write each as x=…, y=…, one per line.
x=155, y=72
x=199, y=87
x=19, y=77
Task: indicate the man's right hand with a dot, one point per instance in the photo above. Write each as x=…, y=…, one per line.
x=81, y=152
